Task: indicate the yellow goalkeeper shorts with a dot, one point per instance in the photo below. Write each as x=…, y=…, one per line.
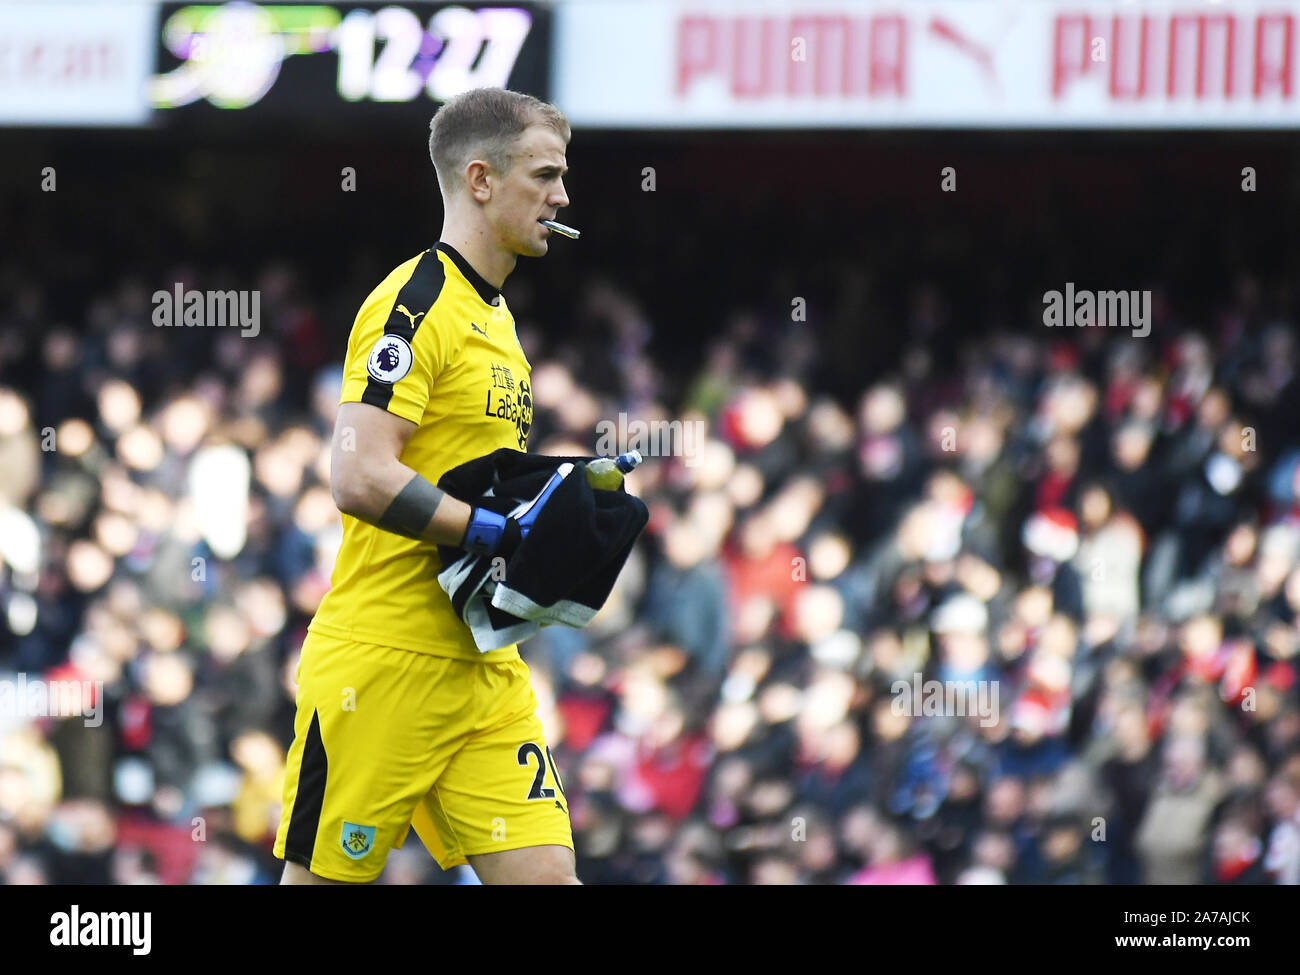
x=386, y=739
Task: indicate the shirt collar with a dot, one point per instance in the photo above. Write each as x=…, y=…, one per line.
x=489, y=294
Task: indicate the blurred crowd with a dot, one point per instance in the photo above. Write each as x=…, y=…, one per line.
x=1103, y=530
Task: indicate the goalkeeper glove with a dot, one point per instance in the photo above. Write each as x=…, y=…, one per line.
x=490, y=533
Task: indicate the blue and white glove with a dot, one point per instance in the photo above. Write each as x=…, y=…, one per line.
x=490, y=533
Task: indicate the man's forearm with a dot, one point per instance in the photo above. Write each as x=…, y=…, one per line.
x=405, y=503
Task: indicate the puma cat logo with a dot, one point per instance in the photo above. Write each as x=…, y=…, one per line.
x=414, y=318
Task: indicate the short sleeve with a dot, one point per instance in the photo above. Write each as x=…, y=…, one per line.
x=390, y=364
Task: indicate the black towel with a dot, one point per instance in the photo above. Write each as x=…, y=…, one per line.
x=562, y=572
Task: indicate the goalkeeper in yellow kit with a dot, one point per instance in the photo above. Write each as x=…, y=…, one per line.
x=401, y=721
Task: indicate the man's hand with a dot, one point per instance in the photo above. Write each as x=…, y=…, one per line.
x=490, y=533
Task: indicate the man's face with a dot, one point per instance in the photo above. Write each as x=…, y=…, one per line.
x=532, y=191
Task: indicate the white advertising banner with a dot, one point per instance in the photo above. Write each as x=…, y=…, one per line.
x=75, y=63
x=941, y=63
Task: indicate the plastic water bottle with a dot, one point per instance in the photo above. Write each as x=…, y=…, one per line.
x=606, y=473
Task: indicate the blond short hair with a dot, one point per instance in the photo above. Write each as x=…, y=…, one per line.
x=485, y=123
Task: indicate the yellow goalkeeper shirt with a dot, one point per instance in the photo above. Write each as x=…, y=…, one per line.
x=436, y=344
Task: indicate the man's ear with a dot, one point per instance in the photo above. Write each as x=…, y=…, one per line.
x=478, y=177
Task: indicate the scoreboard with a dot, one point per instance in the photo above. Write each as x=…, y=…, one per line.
x=317, y=63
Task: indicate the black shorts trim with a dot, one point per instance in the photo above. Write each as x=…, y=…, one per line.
x=304, y=824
